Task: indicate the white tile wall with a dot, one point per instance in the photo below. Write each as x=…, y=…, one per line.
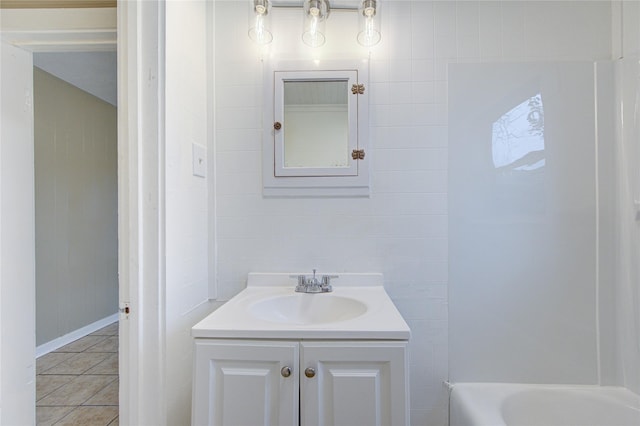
x=186, y=231
x=402, y=229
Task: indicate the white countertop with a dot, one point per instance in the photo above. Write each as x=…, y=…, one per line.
x=380, y=321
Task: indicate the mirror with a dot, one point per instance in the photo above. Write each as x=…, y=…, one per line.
x=318, y=120
x=316, y=129
x=316, y=123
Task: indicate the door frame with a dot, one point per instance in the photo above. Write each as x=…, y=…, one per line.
x=141, y=266
x=141, y=217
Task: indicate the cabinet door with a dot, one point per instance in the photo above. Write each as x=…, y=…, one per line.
x=355, y=383
x=242, y=383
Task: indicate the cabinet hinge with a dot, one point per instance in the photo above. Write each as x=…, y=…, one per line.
x=357, y=154
x=357, y=89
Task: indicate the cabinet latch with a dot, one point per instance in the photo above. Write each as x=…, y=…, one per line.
x=357, y=89
x=357, y=154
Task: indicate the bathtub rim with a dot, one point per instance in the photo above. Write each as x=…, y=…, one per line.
x=479, y=403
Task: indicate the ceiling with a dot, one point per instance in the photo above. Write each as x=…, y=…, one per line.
x=93, y=72
x=74, y=40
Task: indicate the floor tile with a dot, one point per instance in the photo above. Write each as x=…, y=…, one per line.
x=107, y=396
x=77, y=390
x=78, y=384
x=78, y=364
x=82, y=344
x=108, y=366
x=109, y=344
x=110, y=330
x=46, y=416
x=45, y=362
x=45, y=384
x=89, y=416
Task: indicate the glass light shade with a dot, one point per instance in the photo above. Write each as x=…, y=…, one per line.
x=260, y=22
x=315, y=15
x=368, y=23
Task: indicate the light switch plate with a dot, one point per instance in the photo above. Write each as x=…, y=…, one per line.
x=199, y=160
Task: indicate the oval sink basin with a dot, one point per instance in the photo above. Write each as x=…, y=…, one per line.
x=301, y=308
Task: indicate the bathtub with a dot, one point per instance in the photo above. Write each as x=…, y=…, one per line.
x=496, y=404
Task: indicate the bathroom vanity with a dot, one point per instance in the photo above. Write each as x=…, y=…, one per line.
x=272, y=356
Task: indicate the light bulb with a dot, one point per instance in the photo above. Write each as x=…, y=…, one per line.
x=369, y=34
x=259, y=27
x=316, y=12
x=313, y=26
x=260, y=34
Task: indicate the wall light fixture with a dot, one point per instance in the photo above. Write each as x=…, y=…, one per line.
x=315, y=15
x=259, y=21
x=369, y=34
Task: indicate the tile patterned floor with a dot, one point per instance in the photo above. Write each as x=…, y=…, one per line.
x=78, y=383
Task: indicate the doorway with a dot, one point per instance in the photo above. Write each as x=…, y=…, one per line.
x=75, y=150
x=140, y=39
x=24, y=33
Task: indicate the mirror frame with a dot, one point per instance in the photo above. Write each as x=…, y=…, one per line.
x=350, y=181
x=280, y=143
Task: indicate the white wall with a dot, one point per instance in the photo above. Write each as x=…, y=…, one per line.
x=17, y=239
x=402, y=229
x=76, y=208
x=628, y=192
x=524, y=244
x=187, y=286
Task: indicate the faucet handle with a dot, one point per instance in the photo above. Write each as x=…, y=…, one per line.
x=326, y=283
x=302, y=280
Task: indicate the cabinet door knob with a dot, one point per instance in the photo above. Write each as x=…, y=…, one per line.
x=286, y=371
x=309, y=372
x=277, y=125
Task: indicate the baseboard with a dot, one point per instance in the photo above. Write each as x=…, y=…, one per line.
x=54, y=344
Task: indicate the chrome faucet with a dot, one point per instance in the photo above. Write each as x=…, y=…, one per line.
x=312, y=284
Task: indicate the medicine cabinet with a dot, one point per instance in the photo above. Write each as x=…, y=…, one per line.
x=315, y=140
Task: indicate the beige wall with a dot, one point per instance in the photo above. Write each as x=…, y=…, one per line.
x=76, y=208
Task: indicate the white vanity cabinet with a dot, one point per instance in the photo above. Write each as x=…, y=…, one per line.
x=242, y=383
x=355, y=383
x=300, y=382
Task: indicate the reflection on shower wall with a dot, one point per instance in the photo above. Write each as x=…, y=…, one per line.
x=517, y=142
x=525, y=267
